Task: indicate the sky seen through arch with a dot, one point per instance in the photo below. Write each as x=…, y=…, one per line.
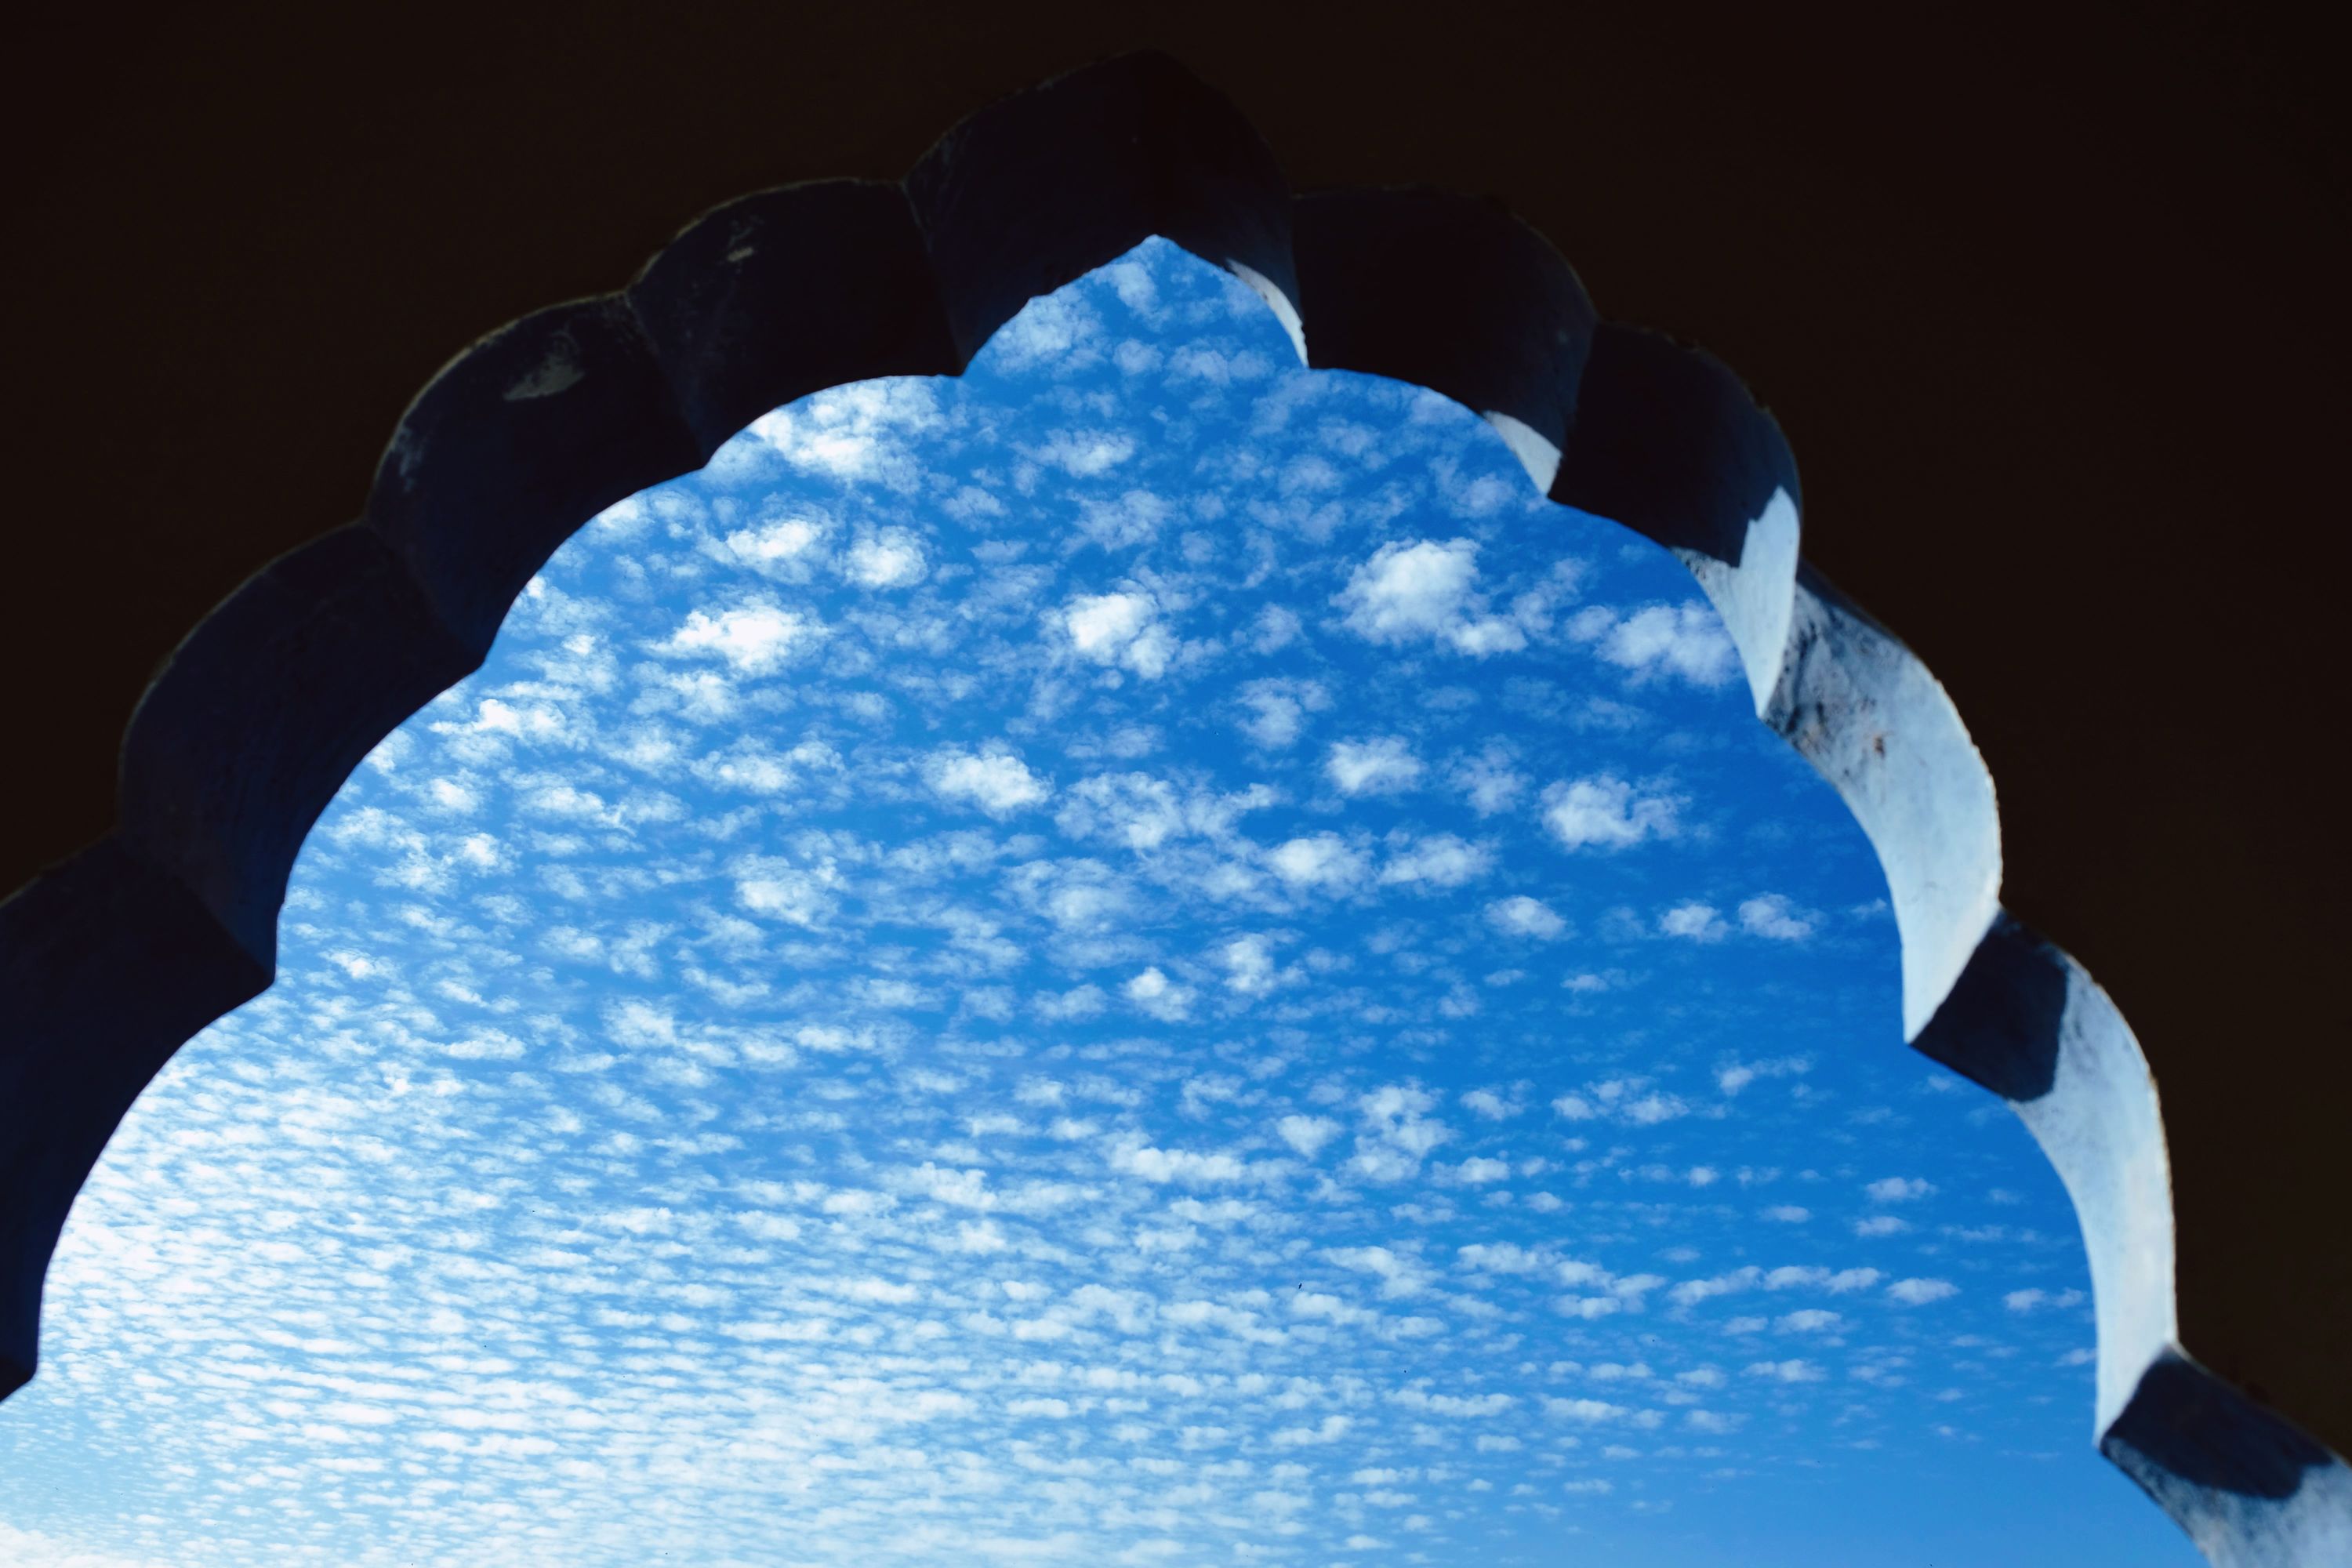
x=1139, y=956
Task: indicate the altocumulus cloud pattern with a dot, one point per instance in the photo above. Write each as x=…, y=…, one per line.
x=1139, y=957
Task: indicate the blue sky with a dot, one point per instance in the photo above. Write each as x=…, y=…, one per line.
x=1141, y=956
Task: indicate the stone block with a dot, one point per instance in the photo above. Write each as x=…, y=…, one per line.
x=1048, y=185
x=520, y=440
x=1668, y=443
x=107, y=965
x=787, y=292
x=262, y=713
x=1454, y=294
x=1864, y=711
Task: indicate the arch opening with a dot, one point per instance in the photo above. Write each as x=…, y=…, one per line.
x=1141, y=911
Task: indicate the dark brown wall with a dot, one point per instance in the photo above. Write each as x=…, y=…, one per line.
x=2048, y=310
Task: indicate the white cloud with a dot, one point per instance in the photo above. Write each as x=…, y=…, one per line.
x=1605, y=811
x=1440, y=860
x=1520, y=915
x=1277, y=709
x=1399, y=1132
x=1137, y=289
x=36, y=1548
x=1081, y=898
x=1133, y=518
x=1457, y=1405
x=2030, y=1300
x=801, y=895
x=1694, y=922
x=1078, y=1002
x=1628, y=1101
x=1250, y=968
x=865, y=433
x=1399, y=1276
x=1322, y=861
x=1214, y=366
x=1919, y=1292
x=1684, y=640
x=785, y=547
x=1133, y=809
x=1382, y=765
x=1426, y=591
x=1812, y=1277
x=1501, y=1257
x=993, y=778
x=1488, y=781
x=1587, y=1411
x=888, y=558
x=1157, y=994
x=1120, y=630
x=891, y=1292
x=1084, y=454
x=454, y=796
x=1182, y=1165
x=1808, y=1321
x=1691, y=1292
x=754, y=639
x=1774, y=916
x=1275, y=629
x=1413, y=590
x=1307, y=1134
x=1786, y=1370
x=1738, y=1075
x=1490, y=1105
x=1056, y=331
x=1899, y=1189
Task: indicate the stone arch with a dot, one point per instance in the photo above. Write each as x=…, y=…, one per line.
x=112, y=961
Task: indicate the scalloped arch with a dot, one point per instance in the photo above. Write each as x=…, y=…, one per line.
x=110, y=961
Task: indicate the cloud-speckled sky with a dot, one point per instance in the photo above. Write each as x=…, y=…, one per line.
x=1139, y=957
